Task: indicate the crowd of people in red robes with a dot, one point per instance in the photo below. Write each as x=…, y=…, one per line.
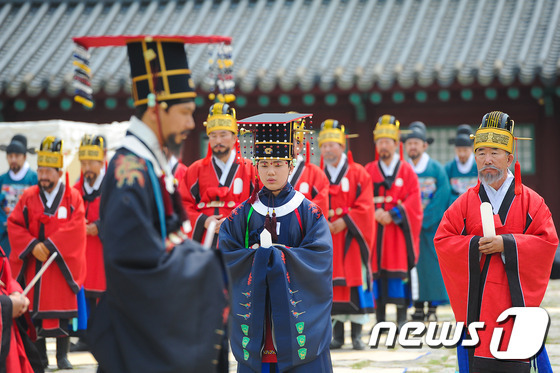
x=383, y=219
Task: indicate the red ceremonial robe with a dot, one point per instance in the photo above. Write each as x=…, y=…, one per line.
x=94, y=284
x=62, y=229
x=311, y=181
x=398, y=243
x=351, y=199
x=480, y=289
x=179, y=171
x=203, y=195
x=13, y=357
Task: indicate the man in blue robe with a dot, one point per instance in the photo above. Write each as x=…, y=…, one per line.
x=165, y=307
x=435, y=194
x=462, y=170
x=12, y=184
x=278, y=248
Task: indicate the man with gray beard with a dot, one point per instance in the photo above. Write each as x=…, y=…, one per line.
x=484, y=276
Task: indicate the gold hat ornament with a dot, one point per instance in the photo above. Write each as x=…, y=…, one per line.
x=387, y=127
x=221, y=118
x=50, y=153
x=332, y=130
x=496, y=131
x=92, y=148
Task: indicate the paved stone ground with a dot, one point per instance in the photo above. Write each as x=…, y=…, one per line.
x=381, y=359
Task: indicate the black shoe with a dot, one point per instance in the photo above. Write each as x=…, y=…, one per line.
x=431, y=315
x=335, y=345
x=338, y=335
x=79, y=346
x=63, y=363
x=356, y=332
x=62, y=347
x=418, y=315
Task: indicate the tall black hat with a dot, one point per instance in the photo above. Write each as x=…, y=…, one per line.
x=158, y=66
x=272, y=134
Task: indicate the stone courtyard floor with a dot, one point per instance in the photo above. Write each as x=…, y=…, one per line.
x=381, y=359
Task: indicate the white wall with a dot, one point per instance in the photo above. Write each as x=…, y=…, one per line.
x=70, y=132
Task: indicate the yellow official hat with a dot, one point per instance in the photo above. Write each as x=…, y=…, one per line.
x=50, y=153
x=92, y=148
x=221, y=117
x=387, y=127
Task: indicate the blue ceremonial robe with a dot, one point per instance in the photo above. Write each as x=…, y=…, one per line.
x=165, y=305
x=292, y=279
x=435, y=193
x=10, y=191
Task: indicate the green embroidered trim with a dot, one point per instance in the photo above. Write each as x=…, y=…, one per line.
x=247, y=230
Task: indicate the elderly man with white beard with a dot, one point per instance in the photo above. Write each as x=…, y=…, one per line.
x=485, y=276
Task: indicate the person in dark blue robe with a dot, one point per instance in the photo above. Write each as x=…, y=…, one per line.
x=278, y=249
x=165, y=307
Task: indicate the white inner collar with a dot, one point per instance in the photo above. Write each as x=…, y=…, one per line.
x=496, y=197
x=90, y=189
x=51, y=196
x=21, y=173
x=334, y=171
x=282, y=210
x=390, y=169
x=465, y=167
x=422, y=163
x=225, y=167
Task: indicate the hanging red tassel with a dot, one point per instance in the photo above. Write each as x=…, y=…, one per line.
x=307, y=152
x=256, y=190
x=376, y=155
x=517, y=177
x=322, y=164
x=517, y=174
x=206, y=160
x=401, y=150
x=67, y=191
x=350, y=157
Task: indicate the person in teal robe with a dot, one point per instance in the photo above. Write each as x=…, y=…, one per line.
x=12, y=183
x=435, y=193
x=461, y=170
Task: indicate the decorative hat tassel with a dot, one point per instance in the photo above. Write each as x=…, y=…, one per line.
x=256, y=190
x=517, y=174
x=307, y=152
x=206, y=160
x=350, y=157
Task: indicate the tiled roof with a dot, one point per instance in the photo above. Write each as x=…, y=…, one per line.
x=293, y=43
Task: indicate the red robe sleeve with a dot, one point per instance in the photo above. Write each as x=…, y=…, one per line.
x=22, y=240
